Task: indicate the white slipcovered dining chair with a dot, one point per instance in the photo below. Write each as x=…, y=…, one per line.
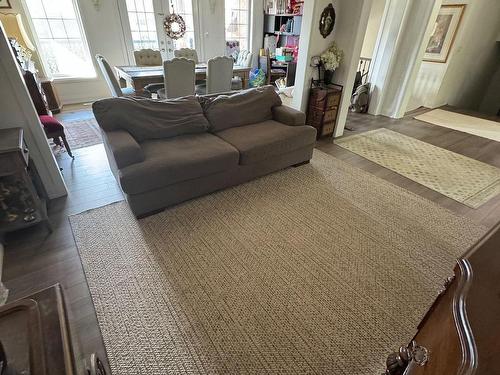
x=111, y=80
x=147, y=57
x=219, y=76
x=179, y=76
x=187, y=53
x=244, y=59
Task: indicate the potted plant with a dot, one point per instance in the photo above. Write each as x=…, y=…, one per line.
x=331, y=59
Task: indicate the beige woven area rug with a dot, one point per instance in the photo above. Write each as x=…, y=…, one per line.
x=467, y=124
x=320, y=269
x=463, y=179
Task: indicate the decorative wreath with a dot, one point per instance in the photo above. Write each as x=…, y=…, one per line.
x=174, y=26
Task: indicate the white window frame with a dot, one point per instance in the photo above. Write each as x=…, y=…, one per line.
x=79, y=20
x=127, y=21
x=196, y=26
x=249, y=25
x=166, y=45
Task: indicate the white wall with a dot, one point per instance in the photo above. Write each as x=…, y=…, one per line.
x=372, y=28
x=464, y=79
x=348, y=33
x=404, y=29
x=311, y=44
x=351, y=26
x=257, y=29
x=427, y=85
x=490, y=104
x=212, y=28
x=17, y=110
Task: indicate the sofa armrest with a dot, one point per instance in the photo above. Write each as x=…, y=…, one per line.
x=289, y=116
x=124, y=147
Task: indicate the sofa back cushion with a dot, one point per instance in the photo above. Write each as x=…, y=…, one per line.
x=149, y=119
x=244, y=108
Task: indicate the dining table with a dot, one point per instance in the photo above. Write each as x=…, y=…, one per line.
x=138, y=77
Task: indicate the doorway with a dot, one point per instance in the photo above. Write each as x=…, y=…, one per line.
x=368, y=51
x=142, y=24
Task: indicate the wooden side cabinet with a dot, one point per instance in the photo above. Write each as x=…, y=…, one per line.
x=20, y=203
x=323, y=109
x=35, y=338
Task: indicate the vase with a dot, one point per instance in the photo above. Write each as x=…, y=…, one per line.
x=329, y=76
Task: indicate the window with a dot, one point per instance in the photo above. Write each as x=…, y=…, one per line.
x=184, y=8
x=141, y=17
x=61, y=41
x=237, y=20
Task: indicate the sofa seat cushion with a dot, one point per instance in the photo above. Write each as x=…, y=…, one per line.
x=177, y=159
x=267, y=139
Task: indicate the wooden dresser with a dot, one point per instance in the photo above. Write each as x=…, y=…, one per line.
x=323, y=108
x=461, y=331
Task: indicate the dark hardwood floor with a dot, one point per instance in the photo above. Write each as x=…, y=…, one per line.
x=34, y=260
x=477, y=148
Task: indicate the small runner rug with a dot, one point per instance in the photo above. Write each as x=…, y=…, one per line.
x=464, y=123
x=319, y=269
x=463, y=179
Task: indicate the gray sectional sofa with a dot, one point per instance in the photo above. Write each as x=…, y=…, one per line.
x=166, y=152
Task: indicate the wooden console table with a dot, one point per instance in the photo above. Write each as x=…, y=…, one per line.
x=460, y=333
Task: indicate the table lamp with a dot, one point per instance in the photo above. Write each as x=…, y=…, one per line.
x=13, y=24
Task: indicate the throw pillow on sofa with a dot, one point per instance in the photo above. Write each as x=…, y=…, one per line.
x=149, y=119
x=244, y=108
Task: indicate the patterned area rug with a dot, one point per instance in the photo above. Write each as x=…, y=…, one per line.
x=82, y=133
x=463, y=179
x=319, y=269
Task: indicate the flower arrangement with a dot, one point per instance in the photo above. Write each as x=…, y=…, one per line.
x=332, y=57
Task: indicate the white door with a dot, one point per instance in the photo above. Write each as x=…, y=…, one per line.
x=142, y=22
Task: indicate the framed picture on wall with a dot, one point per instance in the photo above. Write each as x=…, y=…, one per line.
x=4, y=4
x=444, y=32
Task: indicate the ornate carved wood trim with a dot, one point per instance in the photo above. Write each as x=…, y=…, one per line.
x=470, y=301
x=467, y=343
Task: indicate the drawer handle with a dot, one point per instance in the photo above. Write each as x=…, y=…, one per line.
x=96, y=366
x=399, y=361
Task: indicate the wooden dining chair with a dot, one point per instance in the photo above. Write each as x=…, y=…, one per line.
x=179, y=78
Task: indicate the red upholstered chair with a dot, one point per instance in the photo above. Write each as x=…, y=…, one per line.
x=55, y=130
